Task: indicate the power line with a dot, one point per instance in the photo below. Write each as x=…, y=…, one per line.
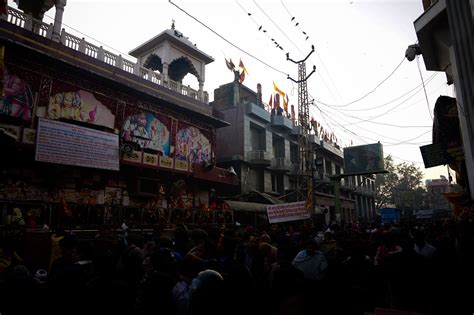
x=371, y=131
x=373, y=90
x=90, y=37
x=408, y=140
x=273, y=40
x=419, y=100
x=424, y=88
x=406, y=144
x=387, y=103
x=293, y=43
x=276, y=25
x=337, y=123
x=375, y=133
x=415, y=162
x=369, y=119
x=261, y=26
x=292, y=17
x=343, y=127
x=226, y=40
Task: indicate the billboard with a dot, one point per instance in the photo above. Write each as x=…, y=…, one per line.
x=389, y=214
x=287, y=212
x=364, y=159
x=68, y=144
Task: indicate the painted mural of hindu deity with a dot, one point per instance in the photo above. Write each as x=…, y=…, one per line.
x=192, y=146
x=80, y=106
x=18, y=99
x=148, y=132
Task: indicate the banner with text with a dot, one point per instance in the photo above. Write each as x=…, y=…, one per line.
x=68, y=144
x=287, y=212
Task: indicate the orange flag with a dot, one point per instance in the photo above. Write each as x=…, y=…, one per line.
x=242, y=77
x=241, y=65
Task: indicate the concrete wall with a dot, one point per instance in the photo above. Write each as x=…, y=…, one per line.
x=230, y=139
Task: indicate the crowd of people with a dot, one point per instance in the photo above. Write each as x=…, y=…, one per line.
x=272, y=270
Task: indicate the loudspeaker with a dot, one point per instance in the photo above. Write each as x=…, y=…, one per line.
x=232, y=171
x=207, y=164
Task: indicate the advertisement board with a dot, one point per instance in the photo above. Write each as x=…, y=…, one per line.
x=287, y=212
x=68, y=144
x=364, y=159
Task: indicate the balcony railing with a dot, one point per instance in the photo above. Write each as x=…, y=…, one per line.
x=295, y=168
x=257, y=112
x=282, y=122
x=297, y=130
x=23, y=20
x=282, y=164
x=258, y=157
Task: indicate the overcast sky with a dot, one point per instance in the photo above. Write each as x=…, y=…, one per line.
x=358, y=44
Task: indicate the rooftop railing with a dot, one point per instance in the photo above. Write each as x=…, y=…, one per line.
x=26, y=21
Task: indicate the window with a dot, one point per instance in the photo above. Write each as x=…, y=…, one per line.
x=257, y=137
x=278, y=146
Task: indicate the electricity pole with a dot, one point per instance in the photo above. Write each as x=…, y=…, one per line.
x=303, y=140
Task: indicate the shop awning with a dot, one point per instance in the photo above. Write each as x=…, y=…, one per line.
x=246, y=206
x=214, y=174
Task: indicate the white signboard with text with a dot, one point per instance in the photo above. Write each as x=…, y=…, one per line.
x=68, y=144
x=287, y=212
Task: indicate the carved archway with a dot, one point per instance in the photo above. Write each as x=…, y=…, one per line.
x=180, y=67
x=154, y=63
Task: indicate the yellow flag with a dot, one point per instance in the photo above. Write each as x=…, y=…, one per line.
x=278, y=90
x=241, y=65
x=285, y=104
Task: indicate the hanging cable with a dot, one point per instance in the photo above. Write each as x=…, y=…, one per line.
x=409, y=161
x=370, y=131
x=306, y=35
x=419, y=100
x=226, y=40
x=387, y=103
x=369, y=119
x=293, y=43
x=260, y=26
x=424, y=88
x=373, y=90
x=90, y=37
x=375, y=133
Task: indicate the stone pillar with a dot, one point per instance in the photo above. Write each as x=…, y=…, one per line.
x=165, y=72
x=201, y=90
x=236, y=88
x=29, y=22
x=4, y=10
x=49, y=33
x=324, y=168
x=259, y=95
x=58, y=20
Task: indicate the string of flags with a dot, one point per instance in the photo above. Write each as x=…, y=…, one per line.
x=319, y=129
x=261, y=28
x=296, y=25
x=328, y=136
x=293, y=20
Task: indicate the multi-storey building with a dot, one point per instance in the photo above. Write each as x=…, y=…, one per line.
x=92, y=138
x=437, y=186
x=262, y=145
x=445, y=41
